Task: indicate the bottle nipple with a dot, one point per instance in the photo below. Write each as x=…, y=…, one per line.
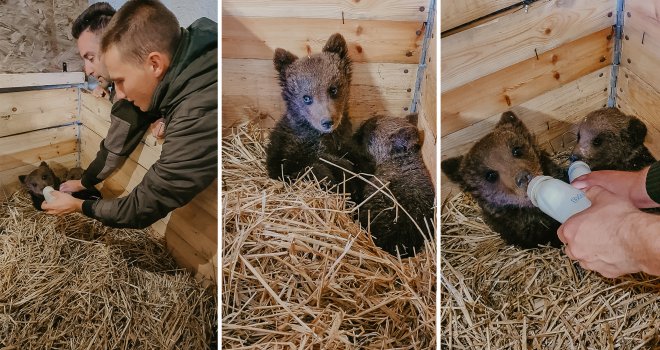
x=577, y=169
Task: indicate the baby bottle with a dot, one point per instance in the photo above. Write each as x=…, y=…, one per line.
x=556, y=198
x=47, y=193
x=577, y=169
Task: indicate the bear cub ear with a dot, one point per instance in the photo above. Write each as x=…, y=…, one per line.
x=510, y=120
x=283, y=59
x=451, y=167
x=21, y=178
x=412, y=118
x=336, y=44
x=637, y=132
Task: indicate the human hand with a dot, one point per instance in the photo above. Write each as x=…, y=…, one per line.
x=158, y=128
x=63, y=203
x=628, y=184
x=72, y=186
x=600, y=238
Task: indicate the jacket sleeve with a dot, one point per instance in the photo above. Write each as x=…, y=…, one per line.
x=127, y=127
x=187, y=165
x=653, y=182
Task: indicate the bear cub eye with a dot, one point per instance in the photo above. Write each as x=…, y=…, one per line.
x=44, y=177
x=597, y=141
x=517, y=152
x=491, y=176
x=332, y=91
x=307, y=99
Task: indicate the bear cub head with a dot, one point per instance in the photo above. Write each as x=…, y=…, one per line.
x=498, y=168
x=39, y=178
x=387, y=138
x=608, y=139
x=316, y=88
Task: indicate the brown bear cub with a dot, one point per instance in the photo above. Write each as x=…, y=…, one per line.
x=316, y=123
x=393, y=147
x=43, y=176
x=611, y=140
x=496, y=172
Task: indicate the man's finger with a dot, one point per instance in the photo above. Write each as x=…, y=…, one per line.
x=560, y=233
x=568, y=252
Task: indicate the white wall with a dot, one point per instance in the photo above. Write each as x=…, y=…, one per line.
x=186, y=11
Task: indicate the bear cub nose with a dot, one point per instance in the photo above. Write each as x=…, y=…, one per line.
x=327, y=124
x=574, y=157
x=523, y=178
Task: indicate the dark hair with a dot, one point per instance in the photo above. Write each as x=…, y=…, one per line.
x=94, y=18
x=141, y=27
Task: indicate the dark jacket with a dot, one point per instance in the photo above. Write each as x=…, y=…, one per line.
x=187, y=98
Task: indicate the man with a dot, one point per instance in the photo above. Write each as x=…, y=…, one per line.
x=128, y=124
x=162, y=69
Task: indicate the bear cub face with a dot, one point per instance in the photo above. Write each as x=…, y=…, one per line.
x=316, y=88
x=39, y=178
x=607, y=139
x=498, y=167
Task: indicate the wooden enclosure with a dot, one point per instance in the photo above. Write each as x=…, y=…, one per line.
x=550, y=63
x=385, y=40
x=64, y=127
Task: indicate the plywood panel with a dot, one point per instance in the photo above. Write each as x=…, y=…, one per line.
x=368, y=41
x=550, y=117
x=511, y=86
x=35, y=36
x=457, y=12
x=479, y=51
x=31, y=110
x=251, y=85
x=395, y=10
x=638, y=98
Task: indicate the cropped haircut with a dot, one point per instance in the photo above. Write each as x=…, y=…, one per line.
x=141, y=27
x=95, y=18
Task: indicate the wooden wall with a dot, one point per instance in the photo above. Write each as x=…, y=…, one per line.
x=638, y=83
x=191, y=232
x=35, y=36
x=550, y=64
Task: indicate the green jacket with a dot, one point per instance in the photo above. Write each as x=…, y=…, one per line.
x=187, y=98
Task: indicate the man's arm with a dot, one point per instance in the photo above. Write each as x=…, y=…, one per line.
x=127, y=127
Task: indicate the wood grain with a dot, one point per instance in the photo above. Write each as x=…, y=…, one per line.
x=457, y=12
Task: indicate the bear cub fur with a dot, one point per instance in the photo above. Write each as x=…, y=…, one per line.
x=43, y=176
x=496, y=172
x=611, y=140
x=393, y=147
x=316, y=123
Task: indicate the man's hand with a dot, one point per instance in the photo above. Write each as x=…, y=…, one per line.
x=62, y=204
x=158, y=128
x=72, y=186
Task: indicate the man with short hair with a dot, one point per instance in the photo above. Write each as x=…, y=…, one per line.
x=165, y=70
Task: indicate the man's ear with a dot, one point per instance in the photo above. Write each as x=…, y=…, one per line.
x=451, y=167
x=157, y=63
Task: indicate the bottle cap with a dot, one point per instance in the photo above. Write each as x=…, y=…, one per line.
x=577, y=169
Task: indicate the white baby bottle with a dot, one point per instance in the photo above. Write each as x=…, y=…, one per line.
x=48, y=193
x=577, y=169
x=556, y=198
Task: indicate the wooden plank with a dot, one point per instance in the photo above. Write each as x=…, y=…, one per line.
x=377, y=88
x=638, y=98
x=640, y=50
x=455, y=13
x=550, y=117
x=9, y=182
x=479, y=51
x=35, y=146
x=40, y=79
x=205, y=269
x=521, y=82
x=368, y=41
x=428, y=113
x=31, y=110
x=395, y=10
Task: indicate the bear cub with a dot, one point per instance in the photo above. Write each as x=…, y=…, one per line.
x=496, y=172
x=393, y=150
x=316, y=123
x=43, y=176
x=611, y=140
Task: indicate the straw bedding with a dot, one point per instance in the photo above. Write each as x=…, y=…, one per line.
x=299, y=273
x=499, y=297
x=72, y=283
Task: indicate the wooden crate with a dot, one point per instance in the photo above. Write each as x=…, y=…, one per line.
x=64, y=127
x=385, y=40
x=550, y=63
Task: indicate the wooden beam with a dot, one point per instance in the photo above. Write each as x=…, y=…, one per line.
x=521, y=82
x=456, y=13
x=8, y=81
x=479, y=51
x=368, y=41
x=550, y=117
x=394, y=10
